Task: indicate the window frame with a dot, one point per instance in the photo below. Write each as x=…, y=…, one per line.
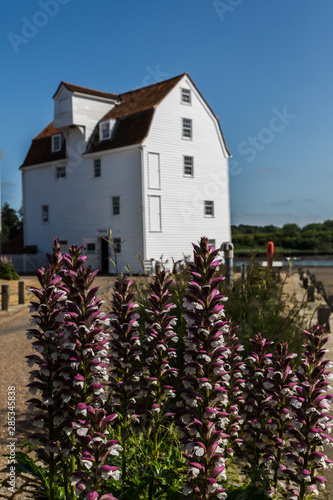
x=117, y=244
x=54, y=138
x=211, y=206
x=186, y=92
x=187, y=128
x=91, y=250
x=185, y=157
x=212, y=241
x=61, y=168
x=97, y=164
x=47, y=211
x=115, y=206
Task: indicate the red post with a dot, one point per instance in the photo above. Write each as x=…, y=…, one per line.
x=270, y=253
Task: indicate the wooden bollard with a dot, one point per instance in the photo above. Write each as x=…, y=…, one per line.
x=305, y=283
x=311, y=293
x=21, y=292
x=324, y=317
x=5, y=297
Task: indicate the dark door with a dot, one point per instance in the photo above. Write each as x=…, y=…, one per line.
x=104, y=255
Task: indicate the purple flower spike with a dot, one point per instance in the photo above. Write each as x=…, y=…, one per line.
x=158, y=338
x=205, y=395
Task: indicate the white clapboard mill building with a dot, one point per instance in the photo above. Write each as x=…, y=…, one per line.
x=150, y=164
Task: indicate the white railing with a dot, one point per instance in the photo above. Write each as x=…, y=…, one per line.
x=27, y=263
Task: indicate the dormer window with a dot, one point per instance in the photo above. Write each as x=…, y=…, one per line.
x=105, y=129
x=56, y=143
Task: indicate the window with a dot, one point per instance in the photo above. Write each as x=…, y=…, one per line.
x=63, y=246
x=97, y=168
x=105, y=131
x=116, y=205
x=60, y=172
x=209, y=209
x=45, y=213
x=186, y=96
x=187, y=128
x=212, y=242
x=56, y=143
x=117, y=245
x=91, y=247
x=188, y=166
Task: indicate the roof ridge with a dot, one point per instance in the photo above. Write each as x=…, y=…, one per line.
x=154, y=84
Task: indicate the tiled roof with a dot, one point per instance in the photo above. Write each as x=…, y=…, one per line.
x=85, y=90
x=40, y=150
x=134, y=112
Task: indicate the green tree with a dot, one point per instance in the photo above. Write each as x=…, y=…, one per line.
x=12, y=224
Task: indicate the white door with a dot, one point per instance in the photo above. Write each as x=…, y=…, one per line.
x=154, y=170
x=155, y=213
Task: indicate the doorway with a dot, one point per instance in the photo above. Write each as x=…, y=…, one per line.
x=104, y=255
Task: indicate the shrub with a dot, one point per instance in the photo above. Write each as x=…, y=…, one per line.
x=7, y=271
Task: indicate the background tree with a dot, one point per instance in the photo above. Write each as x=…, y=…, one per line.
x=12, y=224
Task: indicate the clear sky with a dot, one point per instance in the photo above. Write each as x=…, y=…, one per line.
x=265, y=67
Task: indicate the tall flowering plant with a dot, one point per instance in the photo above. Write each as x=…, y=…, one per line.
x=84, y=364
x=47, y=319
x=158, y=338
x=280, y=384
x=125, y=353
x=202, y=416
x=311, y=421
x=257, y=402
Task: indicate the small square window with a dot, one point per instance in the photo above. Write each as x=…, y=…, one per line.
x=91, y=247
x=188, y=166
x=117, y=245
x=213, y=243
x=116, y=205
x=56, y=143
x=186, y=96
x=97, y=168
x=45, y=213
x=209, y=209
x=63, y=246
x=187, y=128
x=60, y=172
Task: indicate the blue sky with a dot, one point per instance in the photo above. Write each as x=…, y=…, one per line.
x=265, y=67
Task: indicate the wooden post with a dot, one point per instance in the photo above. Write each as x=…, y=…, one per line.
x=324, y=317
x=243, y=272
x=21, y=292
x=311, y=293
x=305, y=283
x=5, y=297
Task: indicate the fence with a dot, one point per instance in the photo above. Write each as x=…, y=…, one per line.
x=27, y=263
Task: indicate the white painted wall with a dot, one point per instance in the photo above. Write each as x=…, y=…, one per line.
x=182, y=198
x=79, y=109
x=81, y=205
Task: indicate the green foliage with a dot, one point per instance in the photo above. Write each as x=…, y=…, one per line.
x=259, y=304
x=161, y=479
x=316, y=237
x=7, y=271
x=41, y=484
x=12, y=224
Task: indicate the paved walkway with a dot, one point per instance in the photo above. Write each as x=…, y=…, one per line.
x=312, y=315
